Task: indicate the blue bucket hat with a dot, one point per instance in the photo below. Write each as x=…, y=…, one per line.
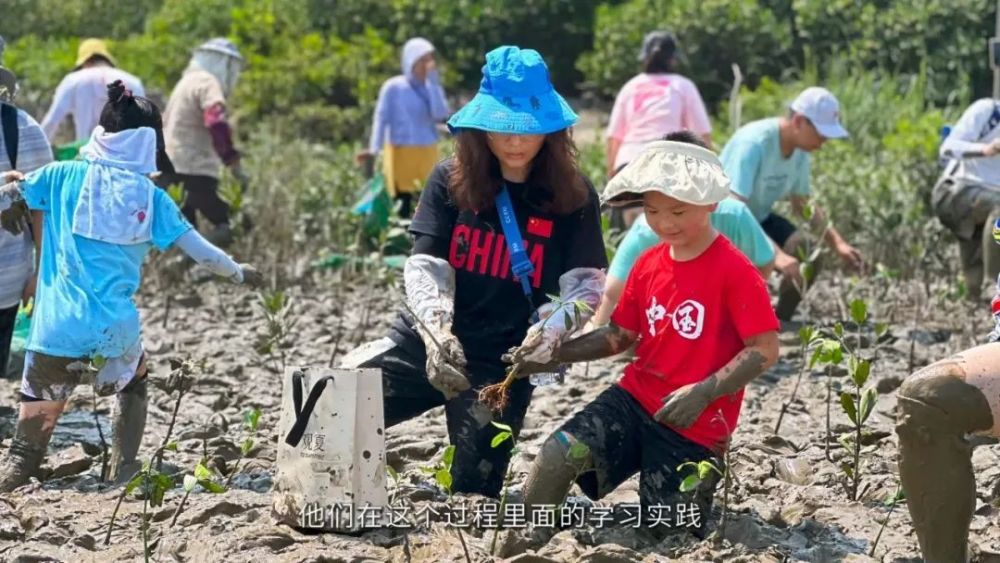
x=515, y=96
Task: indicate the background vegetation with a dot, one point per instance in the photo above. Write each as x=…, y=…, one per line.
x=902, y=69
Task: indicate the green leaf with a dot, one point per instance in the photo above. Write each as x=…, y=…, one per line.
x=392, y=473
x=838, y=329
x=135, y=482
x=868, y=400
x=427, y=470
x=806, y=335
x=567, y=321
x=171, y=447
x=899, y=496
x=860, y=372
x=847, y=403
x=202, y=472
x=881, y=329
x=246, y=446
x=583, y=307
x=189, y=482
x=859, y=311
x=847, y=469
x=845, y=440
x=837, y=356
x=817, y=356
x=690, y=483
x=251, y=418
x=579, y=450
x=687, y=464
x=808, y=271
x=500, y=438
x=98, y=361
x=501, y=426
x=448, y=456
x=808, y=211
x=443, y=478
x=212, y=486
x=705, y=469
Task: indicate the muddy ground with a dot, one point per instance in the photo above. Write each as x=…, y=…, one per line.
x=787, y=503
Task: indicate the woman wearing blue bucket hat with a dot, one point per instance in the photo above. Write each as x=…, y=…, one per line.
x=500, y=226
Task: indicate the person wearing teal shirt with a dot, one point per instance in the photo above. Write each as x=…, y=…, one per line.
x=731, y=217
x=767, y=161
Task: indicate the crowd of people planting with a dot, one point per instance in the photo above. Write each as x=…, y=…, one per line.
x=509, y=277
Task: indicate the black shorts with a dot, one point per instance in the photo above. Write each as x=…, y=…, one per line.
x=778, y=228
x=624, y=439
x=7, y=319
x=477, y=467
x=201, y=193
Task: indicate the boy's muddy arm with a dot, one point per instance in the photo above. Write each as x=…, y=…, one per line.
x=682, y=407
x=601, y=343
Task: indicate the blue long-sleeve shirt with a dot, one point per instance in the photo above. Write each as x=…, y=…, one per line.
x=407, y=113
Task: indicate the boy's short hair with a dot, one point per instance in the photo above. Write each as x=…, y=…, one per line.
x=685, y=136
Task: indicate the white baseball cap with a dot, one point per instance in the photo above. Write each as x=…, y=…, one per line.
x=822, y=109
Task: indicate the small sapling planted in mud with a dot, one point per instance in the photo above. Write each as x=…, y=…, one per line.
x=201, y=476
x=506, y=433
x=276, y=306
x=251, y=422
x=153, y=485
x=441, y=471
x=830, y=353
x=807, y=337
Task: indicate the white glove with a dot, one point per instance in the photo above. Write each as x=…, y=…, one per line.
x=430, y=293
x=559, y=320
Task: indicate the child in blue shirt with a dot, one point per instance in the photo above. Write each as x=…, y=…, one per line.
x=95, y=220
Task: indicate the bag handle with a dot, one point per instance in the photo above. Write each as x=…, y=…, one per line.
x=304, y=412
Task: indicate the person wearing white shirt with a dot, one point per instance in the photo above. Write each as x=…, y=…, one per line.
x=967, y=197
x=84, y=91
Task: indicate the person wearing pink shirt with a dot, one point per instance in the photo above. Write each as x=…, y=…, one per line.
x=652, y=104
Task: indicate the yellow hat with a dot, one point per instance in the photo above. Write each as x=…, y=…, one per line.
x=90, y=48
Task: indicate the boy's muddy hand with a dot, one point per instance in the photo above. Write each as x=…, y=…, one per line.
x=251, y=276
x=446, y=368
x=682, y=407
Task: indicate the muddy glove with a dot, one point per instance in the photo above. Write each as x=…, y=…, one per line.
x=251, y=276
x=430, y=294
x=15, y=214
x=682, y=407
x=559, y=320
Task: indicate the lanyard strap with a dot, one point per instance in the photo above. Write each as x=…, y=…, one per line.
x=520, y=264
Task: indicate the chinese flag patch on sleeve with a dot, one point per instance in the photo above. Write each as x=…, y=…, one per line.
x=539, y=227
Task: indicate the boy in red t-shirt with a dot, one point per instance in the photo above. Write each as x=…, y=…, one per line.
x=705, y=328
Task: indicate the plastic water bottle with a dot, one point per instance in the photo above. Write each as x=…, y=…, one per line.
x=543, y=379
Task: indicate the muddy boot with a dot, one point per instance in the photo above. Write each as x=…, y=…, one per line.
x=23, y=459
x=129, y=426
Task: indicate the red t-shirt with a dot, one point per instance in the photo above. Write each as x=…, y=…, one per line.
x=692, y=318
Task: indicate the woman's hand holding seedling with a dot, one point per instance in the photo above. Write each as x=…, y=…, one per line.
x=446, y=367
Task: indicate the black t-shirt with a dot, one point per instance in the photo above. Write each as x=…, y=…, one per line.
x=492, y=313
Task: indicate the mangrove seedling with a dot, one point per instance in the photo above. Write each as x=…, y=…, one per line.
x=497, y=396
x=152, y=485
x=830, y=353
x=702, y=470
x=201, y=476
x=505, y=433
x=276, y=306
x=251, y=422
x=858, y=406
x=441, y=471
x=807, y=336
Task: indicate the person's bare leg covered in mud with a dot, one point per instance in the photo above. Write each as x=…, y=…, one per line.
x=939, y=406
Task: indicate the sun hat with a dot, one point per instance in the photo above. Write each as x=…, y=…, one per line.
x=515, y=96
x=92, y=48
x=221, y=45
x=683, y=171
x=821, y=107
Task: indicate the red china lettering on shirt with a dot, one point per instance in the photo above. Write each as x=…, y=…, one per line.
x=692, y=318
